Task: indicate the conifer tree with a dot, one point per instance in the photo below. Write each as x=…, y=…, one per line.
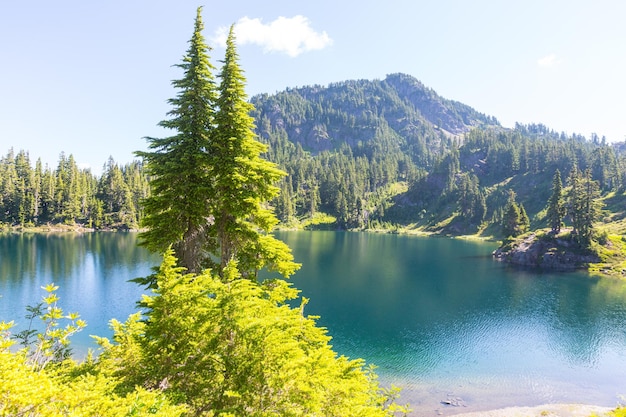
x=556, y=204
x=177, y=212
x=210, y=186
x=515, y=220
x=524, y=221
x=575, y=200
x=583, y=207
x=243, y=181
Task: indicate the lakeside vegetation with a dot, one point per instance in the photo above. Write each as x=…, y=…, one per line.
x=212, y=340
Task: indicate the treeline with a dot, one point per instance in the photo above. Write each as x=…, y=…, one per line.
x=36, y=194
x=369, y=154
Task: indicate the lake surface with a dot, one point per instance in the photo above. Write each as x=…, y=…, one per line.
x=439, y=317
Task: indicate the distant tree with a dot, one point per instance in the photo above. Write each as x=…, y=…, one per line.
x=584, y=208
x=556, y=204
x=471, y=199
x=515, y=220
x=524, y=221
x=116, y=196
x=9, y=189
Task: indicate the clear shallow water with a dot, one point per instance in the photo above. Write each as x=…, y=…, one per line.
x=438, y=317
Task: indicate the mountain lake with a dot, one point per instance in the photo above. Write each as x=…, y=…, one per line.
x=455, y=329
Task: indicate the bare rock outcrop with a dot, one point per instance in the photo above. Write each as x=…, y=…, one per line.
x=545, y=252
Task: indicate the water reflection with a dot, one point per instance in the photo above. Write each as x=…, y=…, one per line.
x=92, y=271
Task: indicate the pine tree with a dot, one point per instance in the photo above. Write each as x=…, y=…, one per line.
x=210, y=187
x=556, y=204
x=177, y=213
x=575, y=200
x=515, y=220
x=243, y=181
x=583, y=205
x=524, y=221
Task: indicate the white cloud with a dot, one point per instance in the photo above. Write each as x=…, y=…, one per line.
x=291, y=36
x=548, y=61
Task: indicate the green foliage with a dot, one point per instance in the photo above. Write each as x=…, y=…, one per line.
x=345, y=144
x=344, y=147
x=25, y=391
x=515, y=220
x=30, y=385
x=51, y=345
x=556, y=205
x=231, y=346
x=583, y=205
x=177, y=212
x=69, y=195
x=243, y=181
x=209, y=184
x=319, y=220
x=618, y=412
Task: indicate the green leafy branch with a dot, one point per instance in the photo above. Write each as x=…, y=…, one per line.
x=52, y=344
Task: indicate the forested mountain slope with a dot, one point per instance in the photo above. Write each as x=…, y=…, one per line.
x=393, y=151
x=360, y=112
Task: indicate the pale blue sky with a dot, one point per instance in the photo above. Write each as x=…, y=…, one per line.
x=92, y=78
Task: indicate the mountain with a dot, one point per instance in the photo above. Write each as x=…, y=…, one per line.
x=323, y=118
x=372, y=153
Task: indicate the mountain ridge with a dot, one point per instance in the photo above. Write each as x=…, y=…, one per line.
x=410, y=109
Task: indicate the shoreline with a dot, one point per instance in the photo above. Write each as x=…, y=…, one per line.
x=546, y=410
x=533, y=396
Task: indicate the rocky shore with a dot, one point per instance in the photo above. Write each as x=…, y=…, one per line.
x=546, y=252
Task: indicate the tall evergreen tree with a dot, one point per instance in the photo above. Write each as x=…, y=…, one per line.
x=575, y=199
x=524, y=221
x=515, y=220
x=556, y=204
x=243, y=181
x=177, y=212
x=583, y=205
x=209, y=185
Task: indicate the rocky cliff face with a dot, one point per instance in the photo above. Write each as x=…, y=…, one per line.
x=545, y=253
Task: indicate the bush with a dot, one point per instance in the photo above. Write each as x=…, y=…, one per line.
x=232, y=346
x=40, y=379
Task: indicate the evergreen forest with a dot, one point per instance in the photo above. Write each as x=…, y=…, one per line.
x=360, y=155
x=40, y=195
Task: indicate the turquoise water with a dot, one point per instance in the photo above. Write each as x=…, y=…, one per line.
x=442, y=319
x=92, y=271
x=438, y=317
